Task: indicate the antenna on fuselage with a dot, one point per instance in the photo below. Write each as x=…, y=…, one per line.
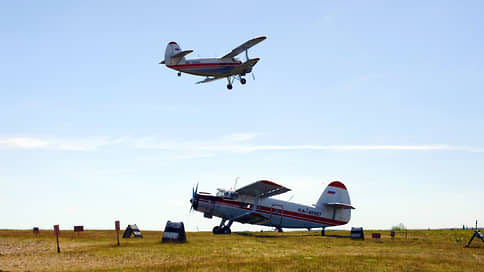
x=235, y=184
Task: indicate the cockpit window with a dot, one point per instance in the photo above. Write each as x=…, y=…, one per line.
x=225, y=194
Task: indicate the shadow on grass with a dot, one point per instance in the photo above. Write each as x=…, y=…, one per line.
x=337, y=236
x=285, y=235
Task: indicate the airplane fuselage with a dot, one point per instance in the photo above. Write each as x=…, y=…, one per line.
x=279, y=213
x=207, y=66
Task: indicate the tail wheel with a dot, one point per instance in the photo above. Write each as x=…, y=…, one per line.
x=243, y=81
x=229, y=86
x=179, y=74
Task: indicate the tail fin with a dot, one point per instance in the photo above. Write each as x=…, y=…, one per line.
x=171, y=49
x=335, y=202
x=174, y=54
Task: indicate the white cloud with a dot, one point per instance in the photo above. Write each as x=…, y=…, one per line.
x=239, y=137
x=236, y=143
x=87, y=144
x=27, y=143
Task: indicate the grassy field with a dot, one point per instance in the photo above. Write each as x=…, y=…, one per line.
x=96, y=250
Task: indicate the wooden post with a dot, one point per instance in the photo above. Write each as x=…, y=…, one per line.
x=57, y=233
x=117, y=226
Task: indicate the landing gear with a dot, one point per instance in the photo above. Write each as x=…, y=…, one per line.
x=231, y=79
x=322, y=232
x=178, y=74
x=226, y=230
x=217, y=230
x=278, y=229
x=229, y=85
x=223, y=229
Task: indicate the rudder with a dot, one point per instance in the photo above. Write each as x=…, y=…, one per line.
x=335, y=202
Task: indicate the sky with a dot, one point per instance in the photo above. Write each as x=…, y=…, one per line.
x=385, y=96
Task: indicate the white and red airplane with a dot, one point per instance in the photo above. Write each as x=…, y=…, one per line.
x=213, y=68
x=253, y=204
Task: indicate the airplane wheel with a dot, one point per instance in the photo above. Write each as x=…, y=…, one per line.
x=226, y=230
x=243, y=81
x=179, y=74
x=229, y=86
x=322, y=232
x=217, y=230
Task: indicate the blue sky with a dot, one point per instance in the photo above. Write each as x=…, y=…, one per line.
x=384, y=96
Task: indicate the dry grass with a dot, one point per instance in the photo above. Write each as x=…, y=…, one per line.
x=435, y=250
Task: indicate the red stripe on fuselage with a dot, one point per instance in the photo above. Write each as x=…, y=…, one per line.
x=203, y=65
x=268, y=210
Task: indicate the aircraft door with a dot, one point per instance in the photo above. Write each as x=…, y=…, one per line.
x=276, y=214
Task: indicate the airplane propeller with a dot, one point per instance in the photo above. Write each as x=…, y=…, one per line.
x=247, y=59
x=194, y=199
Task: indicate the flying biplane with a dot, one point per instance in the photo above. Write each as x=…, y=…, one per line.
x=252, y=204
x=227, y=66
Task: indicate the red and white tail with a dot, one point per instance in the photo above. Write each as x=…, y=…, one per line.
x=335, y=202
x=174, y=55
x=171, y=49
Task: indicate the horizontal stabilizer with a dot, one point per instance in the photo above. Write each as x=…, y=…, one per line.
x=339, y=205
x=175, y=59
x=182, y=54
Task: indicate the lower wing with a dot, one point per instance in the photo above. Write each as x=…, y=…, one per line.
x=252, y=218
x=209, y=79
x=242, y=69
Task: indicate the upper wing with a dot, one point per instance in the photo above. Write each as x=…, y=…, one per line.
x=262, y=189
x=241, y=48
